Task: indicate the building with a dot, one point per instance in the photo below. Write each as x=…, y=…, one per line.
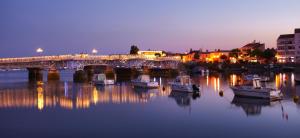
x=246, y=49
x=288, y=47
x=152, y=54
x=207, y=56
x=252, y=46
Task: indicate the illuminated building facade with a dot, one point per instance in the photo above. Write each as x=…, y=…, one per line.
x=244, y=55
x=152, y=54
x=288, y=47
x=208, y=56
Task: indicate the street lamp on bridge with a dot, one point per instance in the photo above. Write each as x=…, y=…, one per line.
x=39, y=50
x=94, y=51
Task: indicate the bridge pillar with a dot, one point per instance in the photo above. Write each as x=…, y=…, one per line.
x=53, y=75
x=35, y=74
x=80, y=76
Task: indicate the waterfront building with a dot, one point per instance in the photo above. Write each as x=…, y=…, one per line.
x=208, y=56
x=152, y=53
x=288, y=47
x=250, y=47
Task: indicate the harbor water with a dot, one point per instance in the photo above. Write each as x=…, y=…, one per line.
x=67, y=109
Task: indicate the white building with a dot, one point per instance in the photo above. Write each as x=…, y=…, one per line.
x=288, y=47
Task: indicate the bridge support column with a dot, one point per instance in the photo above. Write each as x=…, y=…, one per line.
x=80, y=76
x=53, y=75
x=35, y=74
x=89, y=70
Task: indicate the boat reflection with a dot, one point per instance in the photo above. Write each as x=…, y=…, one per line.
x=251, y=106
x=184, y=99
x=71, y=95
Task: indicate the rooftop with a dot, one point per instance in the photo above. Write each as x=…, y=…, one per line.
x=253, y=45
x=284, y=36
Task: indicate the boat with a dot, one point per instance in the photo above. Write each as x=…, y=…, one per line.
x=264, y=79
x=251, y=77
x=256, y=91
x=143, y=81
x=184, y=84
x=100, y=79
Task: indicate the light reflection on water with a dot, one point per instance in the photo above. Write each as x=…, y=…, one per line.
x=162, y=109
x=71, y=95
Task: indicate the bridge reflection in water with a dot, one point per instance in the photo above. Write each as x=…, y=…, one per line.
x=71, y=95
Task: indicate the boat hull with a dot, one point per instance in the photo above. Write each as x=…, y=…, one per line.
x=255, y=93
x=182, y=88
x=149, y=85
x=106, y=82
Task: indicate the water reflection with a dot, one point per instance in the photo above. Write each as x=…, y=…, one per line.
x=251, y=106
x=184, y=99
x=72, y=95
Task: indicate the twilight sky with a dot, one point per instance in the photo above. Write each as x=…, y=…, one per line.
x=111, y=26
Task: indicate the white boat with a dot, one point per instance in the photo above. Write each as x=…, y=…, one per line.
x=143, y=81
x=256, y=91
x=100, y=79
x=264, y=79
x=184, y=84
x=251, y=77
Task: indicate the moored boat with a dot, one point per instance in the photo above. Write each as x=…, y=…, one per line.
x=184, y=84
x=251, y=77
x=101, y=79
x=256, y=91
x=144, y=81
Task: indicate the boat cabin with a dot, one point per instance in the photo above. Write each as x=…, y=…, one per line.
x=256, y=83
x=100, y=77
x=183, y=80
x=144, y=78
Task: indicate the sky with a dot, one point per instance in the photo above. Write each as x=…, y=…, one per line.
x=112, y=26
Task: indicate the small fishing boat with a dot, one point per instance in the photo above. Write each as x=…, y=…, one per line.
x=144, y=81
x=100, y=79
x=184, y=84
x=251, y=77
x=264, y=79
x=256, y=91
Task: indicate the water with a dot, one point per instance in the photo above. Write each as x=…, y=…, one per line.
x=66, y=109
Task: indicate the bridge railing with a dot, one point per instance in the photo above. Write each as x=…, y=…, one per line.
x=84, y=57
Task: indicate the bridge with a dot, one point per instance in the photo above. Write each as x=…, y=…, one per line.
x=77, y=60
x=80, y=61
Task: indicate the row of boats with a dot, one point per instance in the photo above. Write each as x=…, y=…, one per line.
x=183, y=83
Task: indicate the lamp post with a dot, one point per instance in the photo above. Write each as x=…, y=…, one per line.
x=39, y=51
x=94, y=51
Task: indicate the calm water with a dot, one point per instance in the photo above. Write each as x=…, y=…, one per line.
x=60, y=109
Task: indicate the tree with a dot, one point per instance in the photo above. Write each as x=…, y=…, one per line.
x=157, y=54
x=234, y=53
x=256, y=53
x=223, y=57
x=134, y=50
x=196, y=55
x=269, y=54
